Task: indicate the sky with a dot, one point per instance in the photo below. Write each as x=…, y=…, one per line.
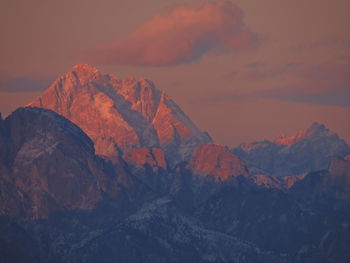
x=242, y=70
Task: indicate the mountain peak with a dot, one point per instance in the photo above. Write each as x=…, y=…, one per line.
x=315, y=129
x=310, y=149
x=121, y=114
x=85, y=73
x=84, y=68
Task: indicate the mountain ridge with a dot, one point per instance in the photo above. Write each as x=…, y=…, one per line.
x=309, y=149
x=122, y=174
x=121, y=114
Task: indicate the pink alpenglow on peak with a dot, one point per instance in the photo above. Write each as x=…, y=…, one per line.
x=310, y=149
x=218, y=161
x=122, y=114
x=314, y=130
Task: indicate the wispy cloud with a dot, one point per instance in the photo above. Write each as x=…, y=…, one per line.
x=331, y=42
x=326, y=84
x=258, y=71
x=180, y=35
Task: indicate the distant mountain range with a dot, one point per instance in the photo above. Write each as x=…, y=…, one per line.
x=308, y=150
x=99, y=169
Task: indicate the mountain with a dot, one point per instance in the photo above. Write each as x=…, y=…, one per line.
x=114, y=171
x=122, y=114
x=48, y=164
x=308, y=150
x=60, y=202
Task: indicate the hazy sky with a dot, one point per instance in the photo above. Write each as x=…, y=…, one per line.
x=243, y=70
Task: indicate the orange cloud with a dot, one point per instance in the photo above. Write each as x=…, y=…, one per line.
x=181, y=35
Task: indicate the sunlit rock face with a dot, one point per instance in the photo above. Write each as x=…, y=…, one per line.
x=308, y=150
x=316, y=129
x=49, y=164
x=122, y=114
x=216, y=160
x=220, y=164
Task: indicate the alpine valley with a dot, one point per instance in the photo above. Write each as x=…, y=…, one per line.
x=99, y=169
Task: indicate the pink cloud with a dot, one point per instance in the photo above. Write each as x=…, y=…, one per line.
x=181, y=35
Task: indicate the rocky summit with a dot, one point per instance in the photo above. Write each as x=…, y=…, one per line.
x=122, y=114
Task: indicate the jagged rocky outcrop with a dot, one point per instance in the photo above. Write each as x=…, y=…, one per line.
x=122, y=114
x=308, y=150
x=217, y=161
